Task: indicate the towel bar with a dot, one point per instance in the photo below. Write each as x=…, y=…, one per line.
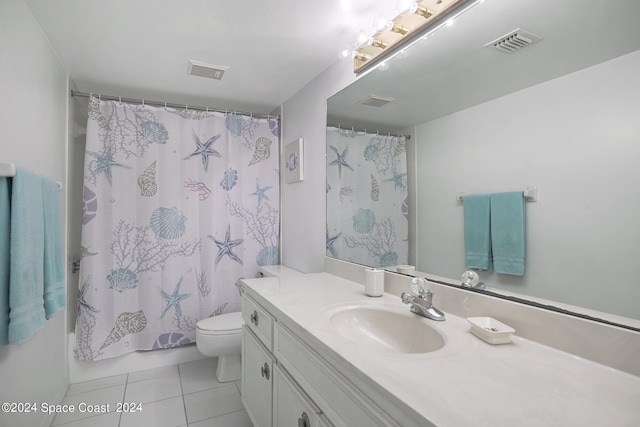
x=9, y=170
x=530, y=194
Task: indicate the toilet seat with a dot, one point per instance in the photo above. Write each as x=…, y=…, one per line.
x=224, y=324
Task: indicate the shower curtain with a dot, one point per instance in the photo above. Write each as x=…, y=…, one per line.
x=367, y=198
x=178, y=205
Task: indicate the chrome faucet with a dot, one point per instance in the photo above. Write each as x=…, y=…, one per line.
x=421, y=304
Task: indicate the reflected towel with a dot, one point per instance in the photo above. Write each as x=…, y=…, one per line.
x=55, y=298
x=508, y=232
x=26, y=279
x=477, y=232
x=5, y=232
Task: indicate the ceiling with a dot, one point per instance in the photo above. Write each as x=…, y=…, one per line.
x=142, y=48
x=452, y=70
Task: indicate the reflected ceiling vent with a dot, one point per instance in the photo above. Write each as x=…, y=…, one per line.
x=376, y=101
x=515, y=40
x=200, y=69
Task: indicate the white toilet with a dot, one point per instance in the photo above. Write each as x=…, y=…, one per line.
x=221, y=336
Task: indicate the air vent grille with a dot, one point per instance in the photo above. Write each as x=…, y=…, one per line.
x=513, y=41
x=200, y=69
x=376, y=101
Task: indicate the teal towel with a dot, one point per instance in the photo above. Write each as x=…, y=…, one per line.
x=26, y=279
x=55, y=298
x=477, y=232
x=508, y=232
x=5, y=232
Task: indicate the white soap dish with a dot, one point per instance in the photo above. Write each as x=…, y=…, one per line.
x=490, y=330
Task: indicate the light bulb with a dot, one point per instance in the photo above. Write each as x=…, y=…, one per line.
x=361, y=38
x=383, y=24
x=406, y=7
x=345, y=52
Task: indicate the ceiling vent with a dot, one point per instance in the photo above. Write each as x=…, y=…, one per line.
x=200, y=69
x=376, y=101
x=515, y=40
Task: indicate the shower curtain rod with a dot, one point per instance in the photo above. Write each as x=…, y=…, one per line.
x=171, y=105
x=383, y=133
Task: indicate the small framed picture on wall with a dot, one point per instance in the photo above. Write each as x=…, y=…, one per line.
x=293, y=161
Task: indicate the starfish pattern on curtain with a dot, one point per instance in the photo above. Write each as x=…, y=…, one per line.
x=175, y=212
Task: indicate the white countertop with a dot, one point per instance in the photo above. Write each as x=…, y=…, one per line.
x=468, y=382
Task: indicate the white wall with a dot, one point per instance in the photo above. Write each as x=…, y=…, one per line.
x=304, y=115
x=577, y=138
x=33, y=135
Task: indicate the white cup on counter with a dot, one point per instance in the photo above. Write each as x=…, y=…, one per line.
x=374, y=285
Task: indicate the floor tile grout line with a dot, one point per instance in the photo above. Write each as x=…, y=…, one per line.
x=126, y=383
x=184, y=404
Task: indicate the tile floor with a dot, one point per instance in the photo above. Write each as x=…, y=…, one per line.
x=175, y=396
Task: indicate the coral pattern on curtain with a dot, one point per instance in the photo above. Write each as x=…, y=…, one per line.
x=178, y=205
x=367, y=198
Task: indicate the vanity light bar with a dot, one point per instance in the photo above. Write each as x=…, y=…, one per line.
x=405, y=29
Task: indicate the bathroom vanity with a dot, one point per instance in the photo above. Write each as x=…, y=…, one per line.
x=317, y=352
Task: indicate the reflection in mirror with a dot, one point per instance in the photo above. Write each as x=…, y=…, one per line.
x=367, y=197
x=560, y=114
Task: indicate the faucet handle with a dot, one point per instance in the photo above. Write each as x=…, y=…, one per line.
x=420, y=287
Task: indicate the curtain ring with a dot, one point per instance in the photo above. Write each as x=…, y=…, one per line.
x=186, y=107
x=207, y=110
x=143, y=102
x=99, y=97
x=165, y=105
x=120, y=100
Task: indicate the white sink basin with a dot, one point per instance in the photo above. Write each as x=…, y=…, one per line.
x=386, y=330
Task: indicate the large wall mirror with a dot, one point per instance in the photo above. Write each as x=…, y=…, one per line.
x=561, y=114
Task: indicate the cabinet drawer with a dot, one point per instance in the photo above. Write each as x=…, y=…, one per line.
x=257, y=379
x=258, y=320
x=291, y=405
x=342, y=402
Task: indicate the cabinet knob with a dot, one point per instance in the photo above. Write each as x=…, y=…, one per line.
x=254, y=318
x=303, y=421
x=264, y=371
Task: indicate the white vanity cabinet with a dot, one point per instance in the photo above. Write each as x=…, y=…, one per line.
x=269, y=394
x=286, y=383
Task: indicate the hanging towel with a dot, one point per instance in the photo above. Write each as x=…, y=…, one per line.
x=55, y=298
x=26, y=279
x=5, y=232
x=477, y=232
x=508, y=232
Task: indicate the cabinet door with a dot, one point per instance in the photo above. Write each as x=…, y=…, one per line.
x=292, y=407
x=257, y=380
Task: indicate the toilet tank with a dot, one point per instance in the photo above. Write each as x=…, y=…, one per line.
x=277, y=271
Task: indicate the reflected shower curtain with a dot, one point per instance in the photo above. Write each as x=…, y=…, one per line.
x=367, y=198
x=178, y=205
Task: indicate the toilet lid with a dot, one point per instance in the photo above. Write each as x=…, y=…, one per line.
x=223, y=324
